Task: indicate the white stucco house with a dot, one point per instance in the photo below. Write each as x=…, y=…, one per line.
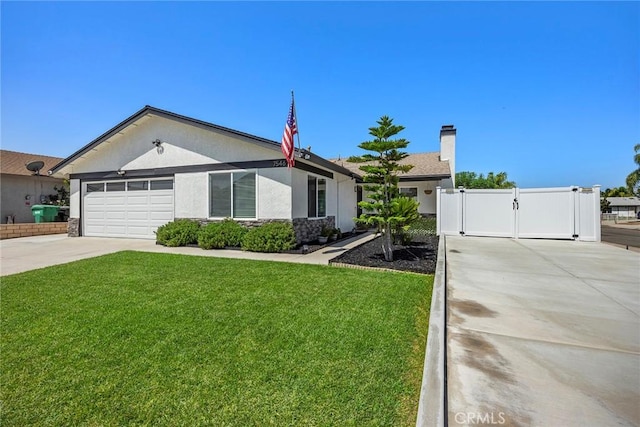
x=22, y=188
x=157, y=166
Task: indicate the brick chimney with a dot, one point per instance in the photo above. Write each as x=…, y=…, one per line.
x=448, y=149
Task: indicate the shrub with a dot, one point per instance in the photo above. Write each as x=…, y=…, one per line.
x=326, y=231
x=422, y=228
x=404, y=212
x=181, y=232
x=270, y=237
x=220, y=234
x=211, y=237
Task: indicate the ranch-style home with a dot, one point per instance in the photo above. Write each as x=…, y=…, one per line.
x=157, y=166
x=22, y=188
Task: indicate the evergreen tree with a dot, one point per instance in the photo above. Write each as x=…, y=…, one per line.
x=473, y=180
x=381, y=177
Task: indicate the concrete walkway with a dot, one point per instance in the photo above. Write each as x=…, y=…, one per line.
x=30, y=253
x=542, y=333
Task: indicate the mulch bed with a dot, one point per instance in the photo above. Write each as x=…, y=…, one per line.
x=418, y=257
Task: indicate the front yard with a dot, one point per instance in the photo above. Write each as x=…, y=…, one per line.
x=158, y=339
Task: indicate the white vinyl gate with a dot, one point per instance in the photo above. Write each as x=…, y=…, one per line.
x=538, y=213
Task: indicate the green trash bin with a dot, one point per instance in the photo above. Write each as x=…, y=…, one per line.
x=45, y=213
x=38, y=213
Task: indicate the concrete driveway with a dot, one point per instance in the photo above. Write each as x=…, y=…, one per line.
x=542, y=333
x=30, y=253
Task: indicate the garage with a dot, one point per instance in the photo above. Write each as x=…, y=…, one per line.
x=127, y=208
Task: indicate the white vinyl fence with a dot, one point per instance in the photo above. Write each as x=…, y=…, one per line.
x=536, y=213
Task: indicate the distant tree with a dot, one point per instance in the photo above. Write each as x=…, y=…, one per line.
x=617, y=192
x=605, y=205
x=381, y=181
x=633, y=179
x=473, y=180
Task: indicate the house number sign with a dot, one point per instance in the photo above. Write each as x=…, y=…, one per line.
x=279, y=163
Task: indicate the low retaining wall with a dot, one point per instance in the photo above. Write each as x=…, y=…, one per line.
x=11, y=231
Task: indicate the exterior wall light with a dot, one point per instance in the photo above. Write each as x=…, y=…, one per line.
x=158, y=144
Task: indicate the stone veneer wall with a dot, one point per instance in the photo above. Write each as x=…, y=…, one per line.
x=307, y=230
x=74, y=227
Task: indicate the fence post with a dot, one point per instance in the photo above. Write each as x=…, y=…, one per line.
x=438, y=211
x=596, y=210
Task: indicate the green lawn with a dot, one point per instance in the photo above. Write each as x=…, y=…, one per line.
x=159, y=339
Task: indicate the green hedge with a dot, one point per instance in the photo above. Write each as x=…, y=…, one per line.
x=421, y=229
x=218, y=235
x=270, y=237
x=181, y=232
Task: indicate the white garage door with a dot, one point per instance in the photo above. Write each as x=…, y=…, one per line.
x=131, y=208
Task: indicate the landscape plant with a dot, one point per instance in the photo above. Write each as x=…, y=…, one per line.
x=421, y=229
x=406, y=209
x=270, y=237
x=218, y=235
x=180, y=232
x=381, y=170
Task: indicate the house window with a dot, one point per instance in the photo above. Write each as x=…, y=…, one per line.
x=409, y=192
x=95, y=187
x=115, y=186
x=137, y=185
x=316, y=197
x=232, y=195
x=162, y=184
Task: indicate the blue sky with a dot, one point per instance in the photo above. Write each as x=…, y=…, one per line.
x=548, y=92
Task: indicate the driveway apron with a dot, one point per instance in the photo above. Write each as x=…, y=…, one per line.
x=542, y=332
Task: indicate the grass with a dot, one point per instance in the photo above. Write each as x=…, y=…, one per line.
x=159, y=339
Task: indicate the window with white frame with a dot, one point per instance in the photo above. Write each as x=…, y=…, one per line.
x=232, y=195
x=316, y=197
x=409, y=192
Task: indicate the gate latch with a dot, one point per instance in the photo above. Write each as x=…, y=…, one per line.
x=516, y=205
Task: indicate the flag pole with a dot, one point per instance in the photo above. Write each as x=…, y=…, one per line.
x=295, y=113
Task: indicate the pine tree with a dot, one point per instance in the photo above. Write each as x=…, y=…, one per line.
x=381, y=179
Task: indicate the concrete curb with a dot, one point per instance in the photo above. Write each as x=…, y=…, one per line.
x=431, y=408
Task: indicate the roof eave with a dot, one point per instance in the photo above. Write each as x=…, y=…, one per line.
x=191, y=121
x=117, y=128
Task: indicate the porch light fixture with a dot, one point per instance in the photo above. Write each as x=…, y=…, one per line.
x=158, y=144
x=121, y=172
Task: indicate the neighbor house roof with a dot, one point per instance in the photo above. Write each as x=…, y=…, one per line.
x=426, y=166
x=623, y=201
x=15, y=163
x=153, y=111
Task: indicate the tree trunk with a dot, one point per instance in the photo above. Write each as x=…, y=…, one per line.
x=387, y=246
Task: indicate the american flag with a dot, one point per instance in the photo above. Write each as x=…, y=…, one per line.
x=290, y=129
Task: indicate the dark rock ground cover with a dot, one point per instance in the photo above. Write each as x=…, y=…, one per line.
x=418, y=257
